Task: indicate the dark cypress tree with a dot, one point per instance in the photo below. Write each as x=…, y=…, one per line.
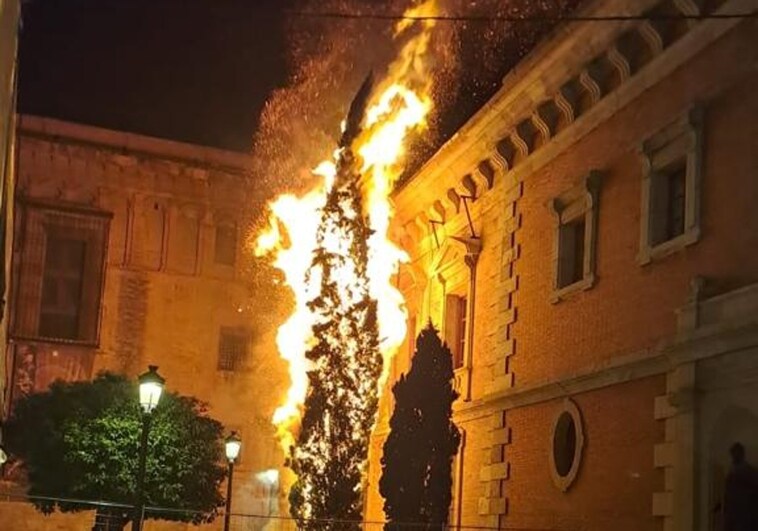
x=340, y=407
x=416, y=480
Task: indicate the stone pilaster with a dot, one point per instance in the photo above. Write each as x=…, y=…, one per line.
x=675, y=456
x=496, y=471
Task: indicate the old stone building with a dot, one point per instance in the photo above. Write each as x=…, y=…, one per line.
x=10, y=12
x=131, y=251
x=588, y=245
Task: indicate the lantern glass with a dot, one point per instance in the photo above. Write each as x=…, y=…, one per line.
x=233, y=445
x=150, y=389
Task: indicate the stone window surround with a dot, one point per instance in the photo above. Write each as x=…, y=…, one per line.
x=36, y=218
x=564, y=482
x=455, y=325
x=471, y=247
x=581, y=200
x=680, y=139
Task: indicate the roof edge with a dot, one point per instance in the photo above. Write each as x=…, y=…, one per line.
x=31, y=125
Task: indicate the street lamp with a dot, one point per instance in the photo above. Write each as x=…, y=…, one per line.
x=232, y=445
x=150, y=388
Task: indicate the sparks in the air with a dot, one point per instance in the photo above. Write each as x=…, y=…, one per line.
x=400, y=105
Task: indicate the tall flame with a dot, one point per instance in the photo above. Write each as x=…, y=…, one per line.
x=399, y=106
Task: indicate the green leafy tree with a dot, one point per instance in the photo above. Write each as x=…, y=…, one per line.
x=341, y=405
x=416, y=480
x=80, y=441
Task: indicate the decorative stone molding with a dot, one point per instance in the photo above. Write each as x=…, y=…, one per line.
x=462, y=375
x=675, y=455
x=469, y=185
x=499, y=360
x=591, y=85
x=652, y=37
x=577, y=202
x=566, y=102
x=620, y=63
x=679, y=142
x=496, y=471
x=520, y=143
x=454, y=199
x=437, y=211
x=732, y=325
x=537, y=127
x=485, y=171
x=688, y=8
x=541, y=125
x=506, y=152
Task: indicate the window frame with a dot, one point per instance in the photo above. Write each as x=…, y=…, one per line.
x=564, y=482
x=573, y=204
x=456, y=255
x=456, y=316
x=232, y=227
x=36, y=220
x=680, y=141
x=57, y=275
x=239, y=362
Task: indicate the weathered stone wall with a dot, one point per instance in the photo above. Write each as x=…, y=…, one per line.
x=165, y=297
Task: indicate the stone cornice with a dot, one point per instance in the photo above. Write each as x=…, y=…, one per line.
x=568, y=76
x=713, y=341
x=123, y=142
x=705, y=343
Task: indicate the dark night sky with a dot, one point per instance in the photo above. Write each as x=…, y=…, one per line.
x=193, y=70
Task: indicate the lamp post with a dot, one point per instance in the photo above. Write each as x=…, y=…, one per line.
x=232, y=445
x=150, y=389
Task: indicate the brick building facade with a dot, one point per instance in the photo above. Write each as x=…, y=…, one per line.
x=588, y=245
x=131, y=251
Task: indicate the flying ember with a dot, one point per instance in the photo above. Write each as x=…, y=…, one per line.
x=398, y=106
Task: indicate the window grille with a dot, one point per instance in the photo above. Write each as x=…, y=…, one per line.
x=59, y=273
x=232, y=349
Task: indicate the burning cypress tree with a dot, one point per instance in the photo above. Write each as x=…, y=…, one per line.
x=416, y=480
x=341, y=404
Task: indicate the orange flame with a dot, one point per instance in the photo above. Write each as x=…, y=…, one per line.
x=399, y=106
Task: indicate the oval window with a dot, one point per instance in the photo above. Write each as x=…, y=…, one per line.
x=567, y=444
x=564, y=444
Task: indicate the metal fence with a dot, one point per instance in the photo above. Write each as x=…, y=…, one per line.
x=18, y=514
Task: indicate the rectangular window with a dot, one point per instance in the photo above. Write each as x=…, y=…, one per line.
x=232, y=349
x=58, y=273
x=226, y=244
x=575, y=212
x=461, y=333
x=62, y=282
x=455, y=328
x=671, y=182
x=571, y=252
x=668, y=200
